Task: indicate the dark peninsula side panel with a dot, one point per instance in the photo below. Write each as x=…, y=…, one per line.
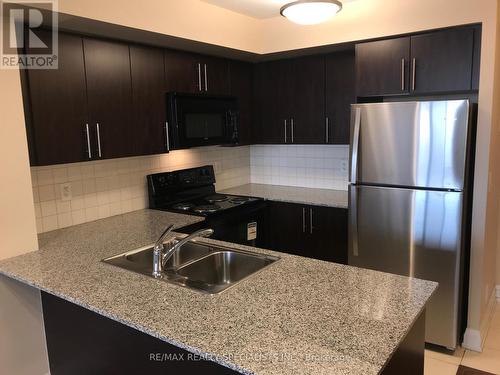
x=81, y=342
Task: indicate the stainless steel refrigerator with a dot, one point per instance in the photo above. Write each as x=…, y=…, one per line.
x=407, y=204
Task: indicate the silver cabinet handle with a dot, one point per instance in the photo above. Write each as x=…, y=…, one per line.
x=353, y=212
x=167, y=139
x=414, y=74
x=291, y=128
x=98, y=140
x=327, y=130
x=311, y=221
x=355, y=145
x=89, y=150
x=303, y=220
x=206, y=76
x=403, y=74
x=199, y=77
x=285, y=131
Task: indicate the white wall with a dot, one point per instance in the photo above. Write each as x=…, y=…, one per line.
x=22, y=343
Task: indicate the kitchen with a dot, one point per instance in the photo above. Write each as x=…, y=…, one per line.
x=120, y=74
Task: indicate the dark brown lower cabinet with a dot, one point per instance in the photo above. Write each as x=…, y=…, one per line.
x=309, y=231
x=81, y=342
x=328, y=233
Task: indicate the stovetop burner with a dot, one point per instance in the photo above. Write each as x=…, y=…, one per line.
x=240, y=200
x=207, y=208
x=192, y=191
x=185, y=206
x=216, y=198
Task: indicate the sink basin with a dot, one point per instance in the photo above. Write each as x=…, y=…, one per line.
x=221, y=269
x=197, y=265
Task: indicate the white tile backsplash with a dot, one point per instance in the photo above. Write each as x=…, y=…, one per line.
x=111, y=187
x=105, y=188
x=313, y=166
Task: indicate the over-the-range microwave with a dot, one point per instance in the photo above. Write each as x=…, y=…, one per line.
x=201, y=120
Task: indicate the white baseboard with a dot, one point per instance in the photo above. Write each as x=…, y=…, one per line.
x=498, y=292
x=472, y=340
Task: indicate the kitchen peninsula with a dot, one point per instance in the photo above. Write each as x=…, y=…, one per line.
x=298, y=315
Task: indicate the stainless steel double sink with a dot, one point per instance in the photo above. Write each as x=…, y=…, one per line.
x=197, y=265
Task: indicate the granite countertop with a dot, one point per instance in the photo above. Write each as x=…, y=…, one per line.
x=315, y=197
x=324, y=318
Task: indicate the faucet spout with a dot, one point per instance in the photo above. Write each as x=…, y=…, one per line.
x=160, y=256
x=178, y=245
x=158, y=252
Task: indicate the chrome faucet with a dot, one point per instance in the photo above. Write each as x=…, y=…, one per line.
x=161, y=256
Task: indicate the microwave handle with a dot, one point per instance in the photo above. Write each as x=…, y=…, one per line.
x=232, y=124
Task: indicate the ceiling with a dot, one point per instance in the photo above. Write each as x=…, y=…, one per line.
x=254, y=8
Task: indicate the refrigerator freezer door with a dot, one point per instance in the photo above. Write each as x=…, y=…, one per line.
x=414, y=144
x=413, y=233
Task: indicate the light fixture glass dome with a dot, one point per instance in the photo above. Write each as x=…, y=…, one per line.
x=310, y=12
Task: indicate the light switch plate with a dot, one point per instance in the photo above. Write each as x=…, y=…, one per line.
x=66, y=192
x=343, y=165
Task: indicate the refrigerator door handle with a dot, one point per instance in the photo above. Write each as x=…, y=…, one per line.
x=353, y=210
x=355, y=146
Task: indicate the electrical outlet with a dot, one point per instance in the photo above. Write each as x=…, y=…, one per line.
x=66, y=193
x=343, y=166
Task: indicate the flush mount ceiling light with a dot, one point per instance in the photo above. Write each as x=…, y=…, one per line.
x=310, y=12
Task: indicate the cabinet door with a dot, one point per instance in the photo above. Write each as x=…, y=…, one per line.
x=339, y=95
x=327, y=227
x=442, y=61
x=183, y=72
x=109, y=89
x=149, y=101
x=287, y=224
x=58, y=101
x=273, y=98
x=382, y=67
x=241, y=76
x=215, y=73
x=307, y=111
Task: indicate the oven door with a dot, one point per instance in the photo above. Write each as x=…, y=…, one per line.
x=202, y=120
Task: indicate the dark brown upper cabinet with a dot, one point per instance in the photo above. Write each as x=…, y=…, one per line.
x=109, y=92
x=307, y=106
x=304, y=100
x=181, y=72
x=382, y=67
x=339, y=95
x=57, y=108
x=215, y=75
x=273, y=102
x=241, y=80
x=192, y=73
x=442, y=61
x=148, y=101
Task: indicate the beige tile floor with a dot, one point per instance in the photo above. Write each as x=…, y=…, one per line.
x=437, y=363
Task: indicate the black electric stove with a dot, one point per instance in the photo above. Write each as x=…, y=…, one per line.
x=191, y=191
